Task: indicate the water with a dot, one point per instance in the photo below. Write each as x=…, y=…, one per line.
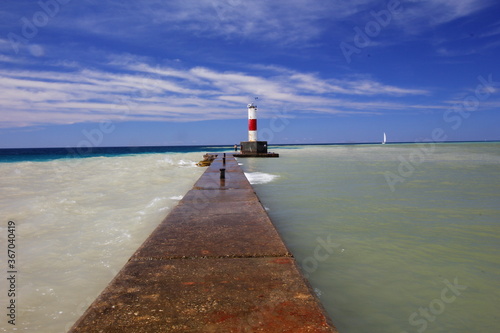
x=78, y=220
x=420, y=254
x=375, y=252
x=46, y=154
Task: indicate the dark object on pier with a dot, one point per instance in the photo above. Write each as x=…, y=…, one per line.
x=255, y=149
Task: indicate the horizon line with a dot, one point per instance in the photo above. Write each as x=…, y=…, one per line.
x=274, y=144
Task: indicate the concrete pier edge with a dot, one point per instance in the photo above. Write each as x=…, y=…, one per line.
x=215, y=264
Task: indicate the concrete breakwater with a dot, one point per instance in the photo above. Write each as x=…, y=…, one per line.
x=215, y=264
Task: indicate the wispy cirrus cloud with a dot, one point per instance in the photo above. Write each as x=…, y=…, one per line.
x=297, y=21
x=421, y=15
x=143, y=92
x=283, y=21
x=491, y=32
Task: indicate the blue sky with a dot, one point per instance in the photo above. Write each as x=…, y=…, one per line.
x=180, y=72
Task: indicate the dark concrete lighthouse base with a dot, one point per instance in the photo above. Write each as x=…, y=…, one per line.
x=255, y=149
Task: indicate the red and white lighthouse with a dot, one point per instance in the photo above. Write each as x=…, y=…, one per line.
x=252, y=147
x=252, y=122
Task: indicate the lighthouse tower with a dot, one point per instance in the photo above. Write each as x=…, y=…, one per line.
x=252, y=122
x=252, y=147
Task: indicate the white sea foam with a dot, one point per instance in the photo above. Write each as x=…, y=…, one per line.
x=78, y=221
x=260, y=177
x=186, y=163
x=158, y=201
x=177, y=197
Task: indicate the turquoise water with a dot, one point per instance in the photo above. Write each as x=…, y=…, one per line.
x=393, y=238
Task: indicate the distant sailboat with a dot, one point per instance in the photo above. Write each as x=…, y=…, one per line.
x=385, y=139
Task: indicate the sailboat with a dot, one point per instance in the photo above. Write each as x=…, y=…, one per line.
x=385, y=139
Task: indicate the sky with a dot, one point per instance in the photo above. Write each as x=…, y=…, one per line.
x=84, y=73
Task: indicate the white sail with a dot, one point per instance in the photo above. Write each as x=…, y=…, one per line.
x=385, y=139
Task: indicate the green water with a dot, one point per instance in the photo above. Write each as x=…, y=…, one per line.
x=394, y=238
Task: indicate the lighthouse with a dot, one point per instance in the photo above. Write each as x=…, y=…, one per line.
x=252, y=147
x=252, y=122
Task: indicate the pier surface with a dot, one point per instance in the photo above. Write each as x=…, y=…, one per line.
x=215, y=264
x=256, y=155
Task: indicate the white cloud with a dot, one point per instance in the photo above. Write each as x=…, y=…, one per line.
x=279, y=21
x=491, y=33
x=173, y=94
x=421, y=15
x=4, y=45
x=285, y=22
x=7, y=59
